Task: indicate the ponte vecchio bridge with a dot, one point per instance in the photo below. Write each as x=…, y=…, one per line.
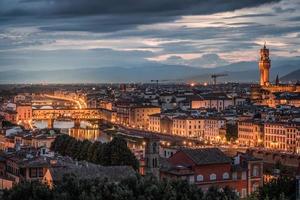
x=75, y=114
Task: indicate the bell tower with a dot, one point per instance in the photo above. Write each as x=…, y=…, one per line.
x=264, y=66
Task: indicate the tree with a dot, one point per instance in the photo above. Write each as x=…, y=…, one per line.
x=72, y=148
x=133, y=188
x=28, y=191
x=114, y=153
x=281, y=187
x=231, y=132
x=120, y=154
x=92, y=151
x=216, y=193
x=84, y=147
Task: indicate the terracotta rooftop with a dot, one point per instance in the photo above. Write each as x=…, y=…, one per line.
x=205, y=156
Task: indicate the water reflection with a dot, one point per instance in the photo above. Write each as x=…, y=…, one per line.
x=85, y=131
x=93, y=134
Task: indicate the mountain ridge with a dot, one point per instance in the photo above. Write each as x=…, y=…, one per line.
x=241, y=71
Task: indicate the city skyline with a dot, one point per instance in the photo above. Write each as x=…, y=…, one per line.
x=150, y=99
x=55, y=35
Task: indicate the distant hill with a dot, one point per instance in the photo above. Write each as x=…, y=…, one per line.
x=239, y=72
x=292, y=76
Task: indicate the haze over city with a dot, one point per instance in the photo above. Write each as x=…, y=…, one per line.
x=125, y=41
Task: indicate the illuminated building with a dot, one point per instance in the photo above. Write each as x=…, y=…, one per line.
x=188, y=126
x=139, y=115
x=269, y=94
x=108, y=115
x=281, y=136
x=105, y=104
x=213, y=127
x=206, y=167
x=250, y=133
x=218, y=101
x=24, y=112
x=154, y=123
x=264, y=66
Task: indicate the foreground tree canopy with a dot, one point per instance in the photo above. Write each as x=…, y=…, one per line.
x=139, y=188
x=115, y=152
x=282, y=188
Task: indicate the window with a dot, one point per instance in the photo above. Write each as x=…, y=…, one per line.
x=32, y=172
x=244, y=175
x=225, y=175
x=154, y=162
x=255, y=171
x=154, y=147
x=213, y=177
x=244, y=193
x=192, y=179
x=234, y=175
x=199, y=178
x=254, y=187
x=40, y=172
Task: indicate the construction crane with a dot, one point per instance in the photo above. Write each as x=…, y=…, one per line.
x=215, y=76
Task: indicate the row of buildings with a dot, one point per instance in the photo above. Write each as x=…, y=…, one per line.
x=283, y=136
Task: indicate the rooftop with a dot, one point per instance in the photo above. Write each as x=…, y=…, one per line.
x=205, y=156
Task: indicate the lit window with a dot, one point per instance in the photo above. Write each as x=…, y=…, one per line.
x=255, y=171
x=213, y=177
x=244, y=175
x=244, y=193
x=225, y=175
x=234, y=175
x=191, y=179
x=254, y=187
x=199, y=178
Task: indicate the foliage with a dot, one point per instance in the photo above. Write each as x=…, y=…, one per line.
x=215, y=193
x=28, y=191
x=282, y=188
x=115, y=152
x=231, y=131
x=6, y=123
x=134, y=188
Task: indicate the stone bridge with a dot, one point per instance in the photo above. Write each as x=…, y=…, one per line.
x=75, y=114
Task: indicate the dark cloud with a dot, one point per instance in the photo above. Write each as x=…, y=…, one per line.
x=96, y=7
x=103, y=23
x=296, y=19
x=56, y=34
x=282, y=10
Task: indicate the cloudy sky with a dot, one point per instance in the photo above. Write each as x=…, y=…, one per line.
x=66, y=34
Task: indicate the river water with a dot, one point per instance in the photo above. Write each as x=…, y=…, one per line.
x=84, y=132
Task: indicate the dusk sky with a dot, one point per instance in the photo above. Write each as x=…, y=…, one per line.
x=66, y=34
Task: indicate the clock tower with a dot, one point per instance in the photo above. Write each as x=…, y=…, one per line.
x=264, y=66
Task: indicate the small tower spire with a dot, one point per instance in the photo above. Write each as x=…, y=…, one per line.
x=277, y=80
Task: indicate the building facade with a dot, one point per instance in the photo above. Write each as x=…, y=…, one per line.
x=281, y=136
x=209, y=167
x=139, y=116
x=250, y=133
